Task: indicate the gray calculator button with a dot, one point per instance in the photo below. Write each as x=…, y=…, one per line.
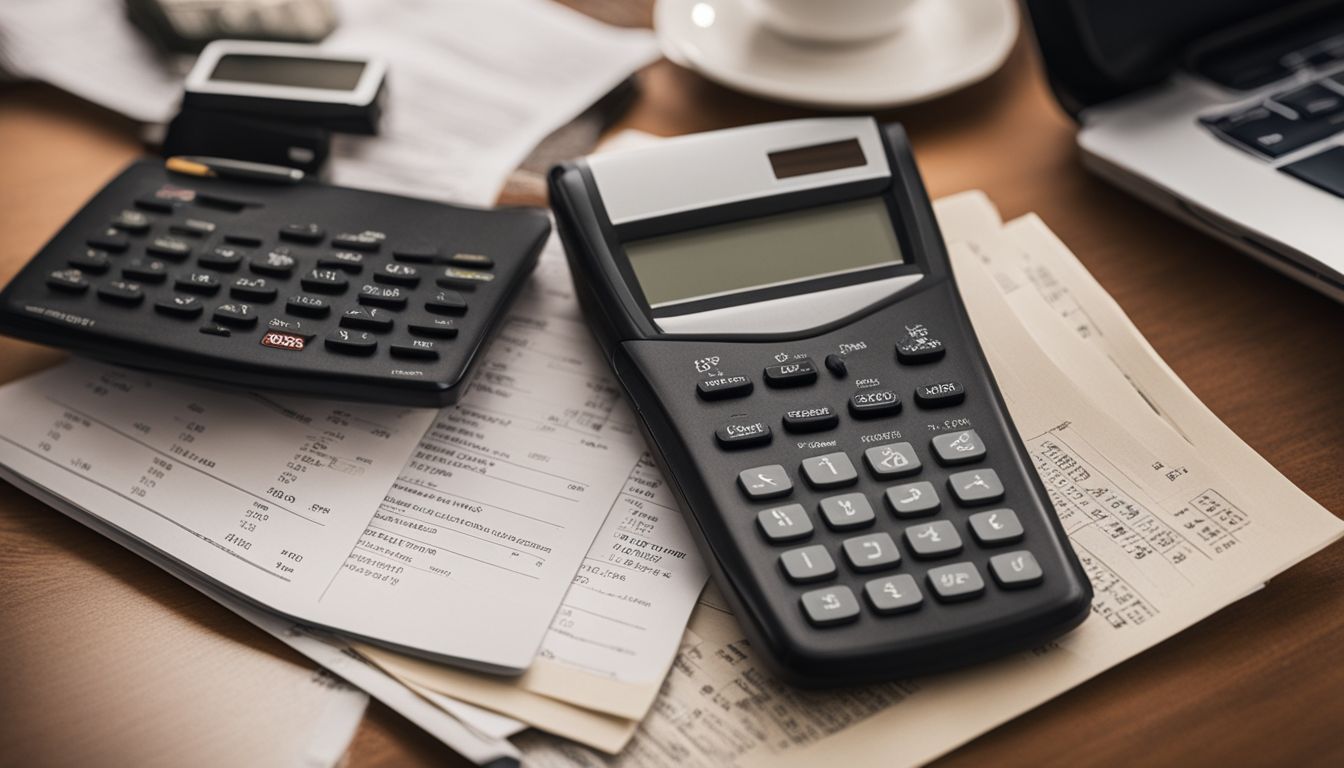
x=808, y=563
x=935, y=539
x=958, y=447
x=894, y=594
x=1015, y=570
x=768, y=482
x=892, y=460
x=913, y=499
x=847, y=511
x=873, y=552
x=833, y=605
x=996, y=526
x=958, y=581
x=830, y=471
x=788, y=523
x=977, y=486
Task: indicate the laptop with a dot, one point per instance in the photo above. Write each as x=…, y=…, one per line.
x=1226, y=113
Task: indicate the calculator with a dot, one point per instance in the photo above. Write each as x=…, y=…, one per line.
x=304, y=288
x=777, y=303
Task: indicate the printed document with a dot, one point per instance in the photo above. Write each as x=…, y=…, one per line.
x=1172, y=516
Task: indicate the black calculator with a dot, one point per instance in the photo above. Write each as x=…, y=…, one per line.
x=305, y=288
x=777, y=303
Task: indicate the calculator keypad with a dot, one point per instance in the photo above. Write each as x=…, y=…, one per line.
x=156, y=258
x=904, y=518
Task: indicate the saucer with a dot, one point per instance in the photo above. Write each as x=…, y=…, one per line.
x=943, y=45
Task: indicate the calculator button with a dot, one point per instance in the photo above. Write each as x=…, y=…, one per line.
x=1016, y=570
x=346, y=261
x=958, y=447
x=830, y=606
x=203, y=283
x=873, y=552
x=981, y=486
x=90, y=260
x=892, y=460
x=836, y=365
x=252, y=289
x=893, y=594
x=393, y=273
x=145, y=270
x=796, y=374
x=460, y=277
x=996, y=526
x=434, y=328
x=221, y=259
x=416, y=349
x=918, y=349
x=766, y=482
x=189, y=307
x=872, y=403
x=913, y=499
x=307, y=306
x=169, y=248
x=958, y=581
x=154, y=204
x=935, y=539
x=134, y=222
x=351, y=342
x=121, y=292
x=815, y=419
x=382, y=296
x=807, y=564
x=246, y=239
x=193, y=227
x=724, y=387
x=278, y=262
x=358, y=241
x=743, y=433
x=283, y=340
x=833, y=470
x=446, y=303
x=290, y=327
x=325, y=280
x=847, y=511
x=788, y=523
x=425, y=255
x=215, y=329
x=473, y=260
x=940, y=395
x=112, y=241
x=235, y=314
x=68, y=280
x=367, y=319
x=302, y=233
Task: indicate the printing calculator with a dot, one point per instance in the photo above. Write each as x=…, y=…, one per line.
x=305, y=288
x=777, y=303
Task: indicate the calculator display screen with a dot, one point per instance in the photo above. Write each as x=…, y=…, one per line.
x=770, y=250
x=329, y=74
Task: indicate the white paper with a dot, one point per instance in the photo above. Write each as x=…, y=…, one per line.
x=473, y=86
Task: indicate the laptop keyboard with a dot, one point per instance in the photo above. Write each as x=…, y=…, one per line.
x=1289, y=120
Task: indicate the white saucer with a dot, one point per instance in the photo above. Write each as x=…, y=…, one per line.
x=942, y=46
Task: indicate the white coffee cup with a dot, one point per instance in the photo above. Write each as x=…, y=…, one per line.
x=833, y=21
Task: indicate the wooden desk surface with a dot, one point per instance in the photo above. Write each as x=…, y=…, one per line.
x=1259, y=682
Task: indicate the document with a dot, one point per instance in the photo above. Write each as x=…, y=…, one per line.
x=632, y=585
x=1145, y=492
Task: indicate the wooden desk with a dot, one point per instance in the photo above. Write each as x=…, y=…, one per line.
x=1259, y=682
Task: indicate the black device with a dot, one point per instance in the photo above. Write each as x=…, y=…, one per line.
x=303, y=84
x=185, y=26
x=305, y=288
x=777, y=302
